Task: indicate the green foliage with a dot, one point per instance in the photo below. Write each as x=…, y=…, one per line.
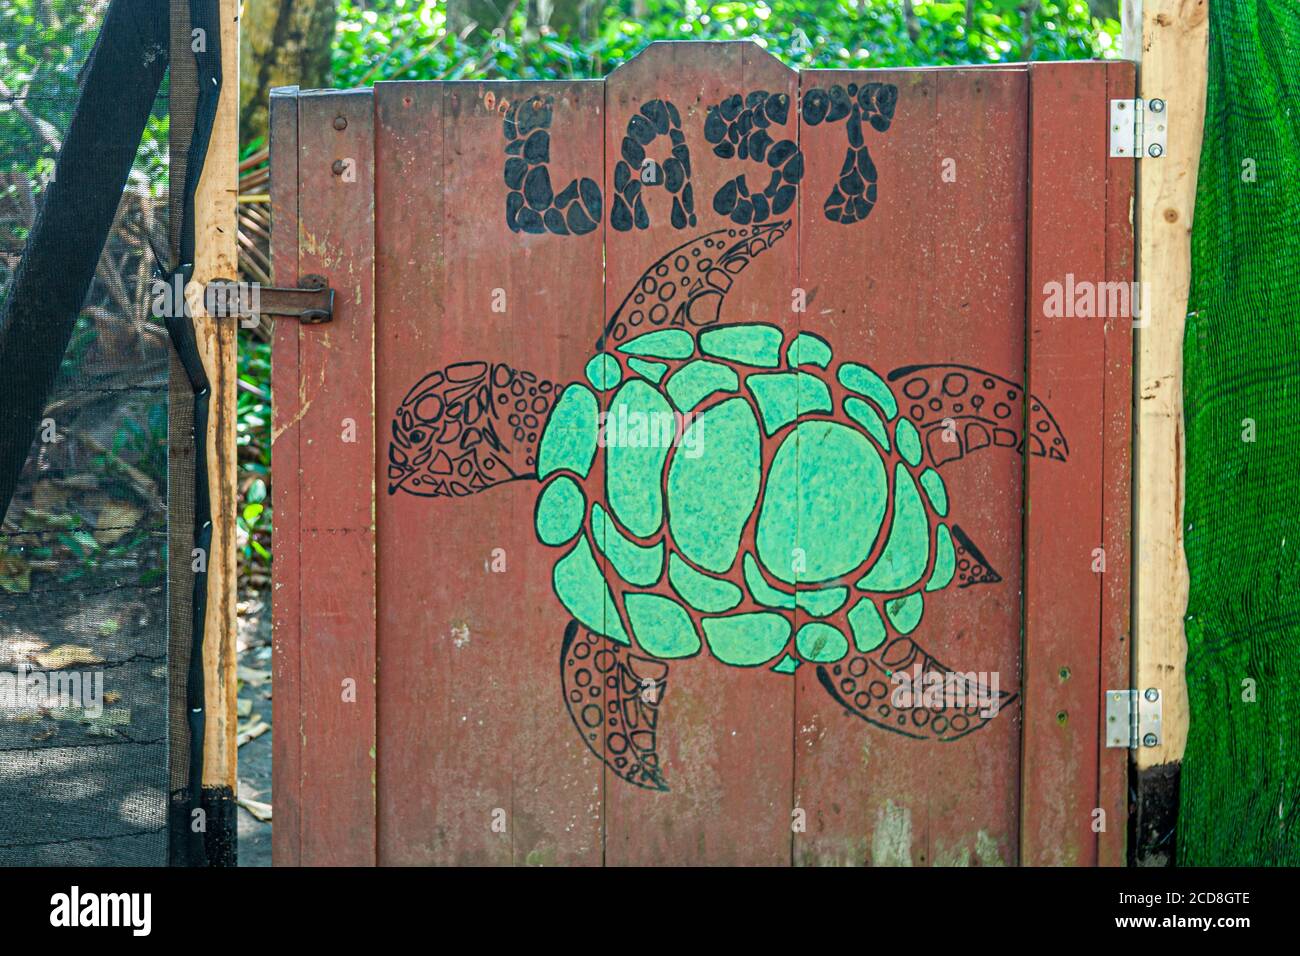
x=40, y=54
x=408, y=39
x=44, y=46
x=39, y=61
x=253, y=441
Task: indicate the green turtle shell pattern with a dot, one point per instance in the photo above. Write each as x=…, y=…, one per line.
x=703, y=486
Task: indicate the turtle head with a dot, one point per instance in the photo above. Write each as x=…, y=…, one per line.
x=467, y=427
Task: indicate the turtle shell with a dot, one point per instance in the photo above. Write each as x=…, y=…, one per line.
x=706, y=486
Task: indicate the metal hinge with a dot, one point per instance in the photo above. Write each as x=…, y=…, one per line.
x=1138, y=128
x=311, y=302
x=1133, y=718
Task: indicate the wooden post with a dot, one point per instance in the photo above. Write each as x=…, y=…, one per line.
x=1076, y=619
x=1170, y=40
x=216, y=257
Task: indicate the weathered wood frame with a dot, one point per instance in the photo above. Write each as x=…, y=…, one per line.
x=215, y=207
x=1169, y=39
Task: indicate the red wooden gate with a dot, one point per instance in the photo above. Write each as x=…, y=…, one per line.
x=443, y=694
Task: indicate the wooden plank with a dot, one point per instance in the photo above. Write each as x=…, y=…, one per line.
x=470, y=632
x=286, y=586
x=1131, y=40
x=1173, y=39
x=1075, y=538
x=933, y=275
x=216, y=257
x=1117, y=484
x=336, y=506
x=409, y=292
x=724, y=733
x=1174, y=57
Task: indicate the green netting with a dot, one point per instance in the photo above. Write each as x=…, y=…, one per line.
x=1241, y=771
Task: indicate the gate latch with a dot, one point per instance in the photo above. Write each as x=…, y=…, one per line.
x=311, y=302
x=1138, y=128
x=1133, y=718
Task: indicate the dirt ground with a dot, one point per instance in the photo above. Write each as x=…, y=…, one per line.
x=56, y=765
x=254, y=710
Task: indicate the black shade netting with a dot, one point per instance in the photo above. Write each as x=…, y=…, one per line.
x=96, y=575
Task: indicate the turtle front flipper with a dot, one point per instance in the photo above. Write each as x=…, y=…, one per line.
x=613, y=696
x=685, y=286
x=902, y=688
x=960, y=409
x=467, y=427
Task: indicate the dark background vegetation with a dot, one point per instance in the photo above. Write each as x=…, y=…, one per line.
x=91, y=502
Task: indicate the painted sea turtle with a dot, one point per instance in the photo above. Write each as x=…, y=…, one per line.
x=731, y=491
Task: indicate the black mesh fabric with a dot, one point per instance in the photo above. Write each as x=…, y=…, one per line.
x=96, y=581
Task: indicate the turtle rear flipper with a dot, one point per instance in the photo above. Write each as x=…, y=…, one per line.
x=960, y=409
x=900, y=687
x=467, y=427
x=613, y=696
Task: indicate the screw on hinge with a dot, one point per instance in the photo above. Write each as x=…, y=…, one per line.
x=1156, y=149
x=1152, y=694
x=1149, y=740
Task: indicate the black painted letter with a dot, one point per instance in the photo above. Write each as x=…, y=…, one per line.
x=851, y=198
x=738, y=128
x=532, y=205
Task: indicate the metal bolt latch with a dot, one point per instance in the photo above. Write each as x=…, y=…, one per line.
x=311, y=302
